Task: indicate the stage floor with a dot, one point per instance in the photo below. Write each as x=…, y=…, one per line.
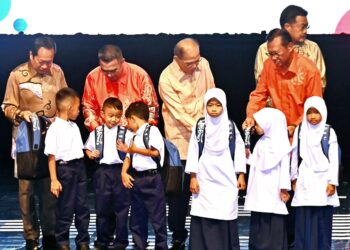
x=11, y=224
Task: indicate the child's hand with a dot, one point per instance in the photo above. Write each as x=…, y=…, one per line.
x=194, y=185
x=95, y=154
x=284, y=195
x=330, y=189
x=294, y=184
x=127, y=180
x=122, y=146
x=56, y=188
x=241, y=182
x=247, y=153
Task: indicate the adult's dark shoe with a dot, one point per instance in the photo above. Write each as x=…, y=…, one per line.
x=32, y=245
x=178, y=245
x=83, y=246
x=49, y=242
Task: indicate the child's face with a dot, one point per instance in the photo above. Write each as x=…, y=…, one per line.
x=73, y=110
x=258, y=129
x=214, y=107
x=111, y=116
x=313, y=116
x=131, y=124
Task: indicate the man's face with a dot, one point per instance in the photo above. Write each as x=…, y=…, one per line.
x=279, y=53
x=112, y=69
x=190, y=60
x=298, y=29
x=42, y=62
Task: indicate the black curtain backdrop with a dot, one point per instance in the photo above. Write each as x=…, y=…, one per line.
x=231, y=58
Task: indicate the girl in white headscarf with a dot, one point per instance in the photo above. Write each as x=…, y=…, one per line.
x=268, y=182
x=315, y=177
x=214, y=184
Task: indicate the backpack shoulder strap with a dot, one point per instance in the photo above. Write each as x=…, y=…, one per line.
x=200, y=135
x=298, y=148
x=36, y=130
x=99, y=141
x=146, y=136
x=325, y=140
x=232, y=138
x=121, y=132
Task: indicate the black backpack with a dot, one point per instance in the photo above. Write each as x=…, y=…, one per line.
x=324, y=144
x=200, y=135
x=31, y=161
x=99, y=141
x=171, y=172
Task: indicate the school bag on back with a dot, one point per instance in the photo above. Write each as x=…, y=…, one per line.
x=200, y=135
x=324, y=144
x=30, y=158
x=171, y=172
x=99, y=141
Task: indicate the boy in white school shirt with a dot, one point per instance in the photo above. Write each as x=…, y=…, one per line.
x=144, y=180
x=112, y=199
x=64, y=147
x=315, y=177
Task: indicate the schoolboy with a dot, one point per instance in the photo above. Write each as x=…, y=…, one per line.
x=112, y=198
x=64, y=147
x=144, y=180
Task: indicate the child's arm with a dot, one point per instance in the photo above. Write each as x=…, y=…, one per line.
x=194, y=185
x=56, y=186
x=294, y=160
x=334, y=163
x=92, y=154
x=132, y=149
x=126, y=178
x=284, y=184
x=284, y=195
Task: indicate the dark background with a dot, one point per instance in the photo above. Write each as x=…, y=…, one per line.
x=231, y=58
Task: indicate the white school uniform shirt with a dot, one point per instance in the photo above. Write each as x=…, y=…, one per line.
x=110, y=152
x=142, y=162
x=315, y=171
x=269, y=165
x=215, y=170
x=63, y=140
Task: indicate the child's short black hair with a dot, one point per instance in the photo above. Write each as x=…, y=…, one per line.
x=138, y=109
x=112, y=102
x=63, y=95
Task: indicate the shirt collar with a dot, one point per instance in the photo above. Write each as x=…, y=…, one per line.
x=141, y=129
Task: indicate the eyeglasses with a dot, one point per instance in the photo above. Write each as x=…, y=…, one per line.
x=193, y=63
x=274, y=54
x=302, y=27
x=110, y=72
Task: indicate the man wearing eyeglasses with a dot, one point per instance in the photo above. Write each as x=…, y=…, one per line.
x=182, y=86
x=294, y=20
x=31, y=88
x=115, y=77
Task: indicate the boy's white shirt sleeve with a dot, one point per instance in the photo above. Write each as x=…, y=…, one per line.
x=284, y=173
x=192, y=154
x=51, y=141
x=156, y=141
x=333, y=169
x=294, y=160
x=90, y=143
x=240, y=158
